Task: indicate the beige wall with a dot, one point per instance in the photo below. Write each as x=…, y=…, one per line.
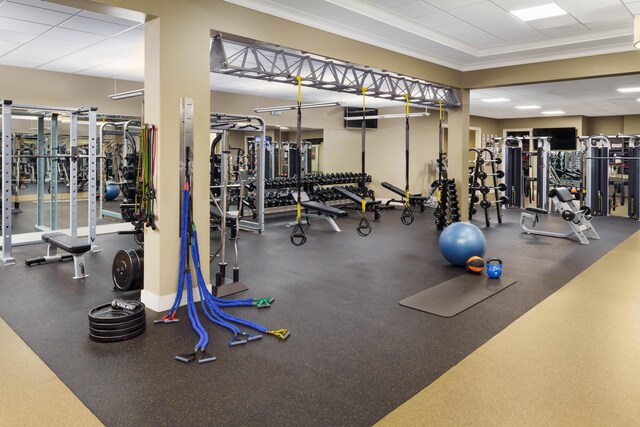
x=631, y=124
x=604, y=125
x=49, y=88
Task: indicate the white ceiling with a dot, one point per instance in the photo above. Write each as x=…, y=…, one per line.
x=47, y=36
x=37, y=34
x=468, y=34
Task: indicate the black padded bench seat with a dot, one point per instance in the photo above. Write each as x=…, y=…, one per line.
x=353, y=197
x=563, y=194
x=536, y=210
x=398, y=191
x=321, y=207
x=73, y=245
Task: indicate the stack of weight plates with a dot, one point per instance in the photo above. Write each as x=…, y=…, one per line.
x=118, y=320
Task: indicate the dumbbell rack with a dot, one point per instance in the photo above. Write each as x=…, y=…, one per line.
x=313, y=185
x=478, y=183
x=448, y=210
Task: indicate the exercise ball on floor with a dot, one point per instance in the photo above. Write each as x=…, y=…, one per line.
x=460, y=241
x=112, y=191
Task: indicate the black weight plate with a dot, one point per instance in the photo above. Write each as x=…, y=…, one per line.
x=107, y=314
x=120, y=325
x=127, y=269
x=116, y=338
x=115, y=332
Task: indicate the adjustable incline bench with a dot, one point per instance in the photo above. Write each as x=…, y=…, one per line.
x=370, y=204
x=318, y=210
x=74, y=246
x=414, y=199
x=578, y=218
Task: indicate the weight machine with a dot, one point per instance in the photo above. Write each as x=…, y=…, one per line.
x=513, y=175
x=224, y=123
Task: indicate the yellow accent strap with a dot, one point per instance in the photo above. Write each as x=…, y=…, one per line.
x=299, y=207
x=299, y=79
x=364, y=205
x=364, y=103
x=440, y=102
x=407, y=198
x=406, y=97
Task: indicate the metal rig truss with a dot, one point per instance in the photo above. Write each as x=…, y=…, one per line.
x=262, y=62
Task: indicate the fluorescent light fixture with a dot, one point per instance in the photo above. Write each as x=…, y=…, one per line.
x=629, y=89
x=554, y=112
x=548, y=10
x=293, y=107
x=638, y=99
x=128, y=94
x=496, y=100
x=284, y=128
x=528, y=107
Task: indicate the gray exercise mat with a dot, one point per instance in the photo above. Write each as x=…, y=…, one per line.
x=456, y=295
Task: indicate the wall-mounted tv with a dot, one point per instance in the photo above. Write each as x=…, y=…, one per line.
x=357, y=112
x=561, y=138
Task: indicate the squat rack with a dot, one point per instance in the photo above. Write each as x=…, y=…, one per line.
x=41, y=112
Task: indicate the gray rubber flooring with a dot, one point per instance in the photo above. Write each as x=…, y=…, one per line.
x=354, y=355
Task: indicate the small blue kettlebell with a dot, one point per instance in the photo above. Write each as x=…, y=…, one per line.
x=494, y=268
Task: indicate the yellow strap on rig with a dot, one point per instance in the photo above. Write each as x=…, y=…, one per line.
x=299, y=80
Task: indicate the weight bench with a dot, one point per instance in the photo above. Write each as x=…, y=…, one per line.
x=578, y=218
x=414, y=199
x=373, y=205
x=74, y=246
x=321, y=211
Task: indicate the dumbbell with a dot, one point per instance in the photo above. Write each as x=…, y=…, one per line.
x=485, y=190
x=484, y=175
x=482, y=161
x=486, y=204
x=455, y=217
x=439, y=213
x=586, y=211
x=475, y=199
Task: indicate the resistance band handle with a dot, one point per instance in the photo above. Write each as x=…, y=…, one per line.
x=364, y=228
x=407, y=216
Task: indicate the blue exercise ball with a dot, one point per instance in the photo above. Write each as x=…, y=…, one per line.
x=460, y=241
x=112, y=191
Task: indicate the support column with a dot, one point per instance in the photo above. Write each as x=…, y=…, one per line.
x=176, y=66
x=458, y=150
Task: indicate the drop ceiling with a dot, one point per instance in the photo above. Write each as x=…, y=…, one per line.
x=466, y=34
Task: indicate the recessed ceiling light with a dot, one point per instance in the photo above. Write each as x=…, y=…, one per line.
x=539, y=12
x=496, y=100
x=553, y=112
x=528, y=107
x=629, y=89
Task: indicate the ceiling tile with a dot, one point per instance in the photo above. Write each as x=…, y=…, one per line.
x=387, y=4
x=32, y=14
x=17, y=25
x=556, y=21
x=78, y=38
x=474, y=11
x=567, y=30
x=7, y=45
x=597, y=14
x=414, y=9
x=479, y=38
x=454, y=30
x=437, y=19
x=634, y=7
x=451, y=4
x=612, y=24
x=113, y=19
x=93, y=26
x=48, y=5
x=135, y=35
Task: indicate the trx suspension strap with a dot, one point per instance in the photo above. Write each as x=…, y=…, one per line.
x=407, y=214
x=298, y=237
x=440, y=164
x=364, y=228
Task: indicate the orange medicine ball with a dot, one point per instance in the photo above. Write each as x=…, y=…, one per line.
x=475, y=264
